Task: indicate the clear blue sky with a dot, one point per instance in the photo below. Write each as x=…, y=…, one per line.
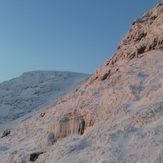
x=65, y=35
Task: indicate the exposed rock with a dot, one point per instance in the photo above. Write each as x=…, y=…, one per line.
x=105, y=75
x=146, y=35
x=42, y=114
x=34, y=156
x=5, y=133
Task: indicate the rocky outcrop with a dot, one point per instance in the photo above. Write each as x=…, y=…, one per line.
x=71, y=123
x=143, y=36
x=146, y=35
x=66, y=125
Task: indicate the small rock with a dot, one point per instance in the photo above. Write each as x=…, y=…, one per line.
x=5, y=133
x=34, y=156
x=42, y=114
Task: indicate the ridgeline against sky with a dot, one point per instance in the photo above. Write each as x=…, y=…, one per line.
x=63, y=35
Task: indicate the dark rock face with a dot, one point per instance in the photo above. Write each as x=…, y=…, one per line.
x=42, y=114
x=34, y=156
x=5, y=133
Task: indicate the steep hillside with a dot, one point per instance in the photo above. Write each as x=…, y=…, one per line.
x=115, y=117
x=145, y=35
x=35, y=90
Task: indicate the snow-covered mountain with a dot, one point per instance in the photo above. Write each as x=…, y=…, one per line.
x=35, y=90
x=115, y=117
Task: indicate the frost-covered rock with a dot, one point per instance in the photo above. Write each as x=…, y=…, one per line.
x=145, y=35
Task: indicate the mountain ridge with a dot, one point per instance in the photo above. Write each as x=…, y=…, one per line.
x=34, y=90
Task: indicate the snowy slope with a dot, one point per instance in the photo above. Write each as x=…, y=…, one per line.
x=35, y=90
x=115, y=117
x=123, y=121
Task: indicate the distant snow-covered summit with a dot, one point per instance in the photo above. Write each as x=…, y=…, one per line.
x=34, y=90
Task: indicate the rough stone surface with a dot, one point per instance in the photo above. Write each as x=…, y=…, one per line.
x=145, y=35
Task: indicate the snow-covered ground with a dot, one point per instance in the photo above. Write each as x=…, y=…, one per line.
x=35, y=90
x=123, y=119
